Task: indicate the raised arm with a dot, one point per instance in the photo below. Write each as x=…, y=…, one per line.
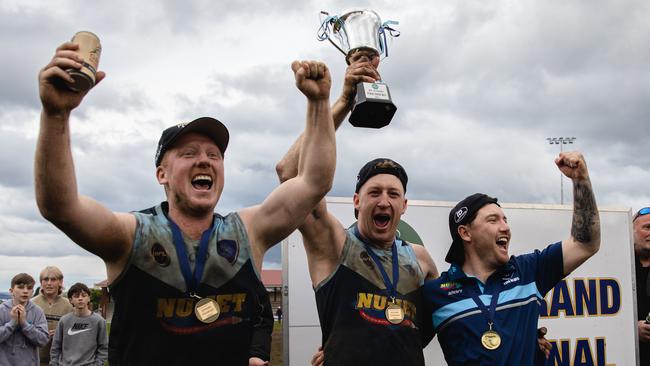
x=286, y=207
x=363, y=68
x=323, y=235
x=585, y=227
x=85, y=221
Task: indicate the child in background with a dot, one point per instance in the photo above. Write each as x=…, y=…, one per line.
x=80, y=337
x=23, y=327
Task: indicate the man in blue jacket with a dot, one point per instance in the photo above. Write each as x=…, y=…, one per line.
x=486, y=306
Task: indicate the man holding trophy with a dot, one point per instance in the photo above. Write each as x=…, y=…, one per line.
x=366, y=279
x=362, y=31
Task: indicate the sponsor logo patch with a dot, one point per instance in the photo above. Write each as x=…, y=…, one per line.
x=229, y=249
x=160, y=255
x=460, y=214
x=510, y=280
x=446, y=286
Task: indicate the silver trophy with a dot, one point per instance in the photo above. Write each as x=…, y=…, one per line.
x=363, y=30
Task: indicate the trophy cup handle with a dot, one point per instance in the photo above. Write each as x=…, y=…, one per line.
x=324, y=30
x=386, y=27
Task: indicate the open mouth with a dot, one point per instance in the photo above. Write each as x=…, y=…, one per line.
x=381, y=220
x=202, y=182
x=502, y=242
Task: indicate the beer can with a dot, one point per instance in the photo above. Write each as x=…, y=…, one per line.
x=90, y=50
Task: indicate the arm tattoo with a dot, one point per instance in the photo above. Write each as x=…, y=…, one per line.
x=586, y=223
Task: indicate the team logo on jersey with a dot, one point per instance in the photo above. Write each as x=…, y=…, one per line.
x=176, y=315
x=372, y=308
x=228, y=249
x=365, y=257
x=160, y=255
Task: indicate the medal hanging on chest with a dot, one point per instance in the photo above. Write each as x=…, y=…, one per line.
x=206, y=309
x=394, y=312
x=490, y=339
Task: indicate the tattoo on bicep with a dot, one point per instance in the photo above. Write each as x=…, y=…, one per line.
x=585, y=212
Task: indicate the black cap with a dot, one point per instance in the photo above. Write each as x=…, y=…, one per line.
x=464, y=213
x=207, y=126
x=380, y=166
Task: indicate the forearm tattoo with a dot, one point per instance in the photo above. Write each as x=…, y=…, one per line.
x=586, y=223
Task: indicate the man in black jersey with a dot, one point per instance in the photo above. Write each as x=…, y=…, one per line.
x=184, y=279
x=366, y=279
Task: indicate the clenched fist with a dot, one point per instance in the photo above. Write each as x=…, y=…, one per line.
x=313, y=79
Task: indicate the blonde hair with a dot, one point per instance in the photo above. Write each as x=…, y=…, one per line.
x=54, y=272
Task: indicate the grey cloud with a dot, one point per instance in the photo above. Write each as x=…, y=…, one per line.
x=479, y=86
x=16, y=159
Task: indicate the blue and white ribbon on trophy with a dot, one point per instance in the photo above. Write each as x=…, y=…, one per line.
x=352, y=28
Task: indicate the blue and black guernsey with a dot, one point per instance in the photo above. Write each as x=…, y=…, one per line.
x=154, y=321
x=521, y=285
x=351, y=308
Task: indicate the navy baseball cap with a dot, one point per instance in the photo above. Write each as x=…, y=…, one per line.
x=462, y=214
x=207, y=126
x=379, y=166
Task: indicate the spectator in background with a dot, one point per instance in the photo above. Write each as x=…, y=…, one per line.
x=641, y=224
x=80, y=337
x=23, y=327
x=278, y=314
x=53, y=304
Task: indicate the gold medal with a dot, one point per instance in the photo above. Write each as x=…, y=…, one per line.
x=491, y=339
x=207, y=310
x=394, y=313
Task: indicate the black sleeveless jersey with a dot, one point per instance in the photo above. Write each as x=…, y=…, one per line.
x=351, y=308
x=154, y=321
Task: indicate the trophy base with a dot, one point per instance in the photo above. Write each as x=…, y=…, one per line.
x=373, y=107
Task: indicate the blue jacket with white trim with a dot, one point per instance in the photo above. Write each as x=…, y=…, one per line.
x=521, y=285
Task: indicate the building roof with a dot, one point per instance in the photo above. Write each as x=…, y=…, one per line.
x=272, y=277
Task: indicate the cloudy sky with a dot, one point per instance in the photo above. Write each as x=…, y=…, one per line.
x=479, y=87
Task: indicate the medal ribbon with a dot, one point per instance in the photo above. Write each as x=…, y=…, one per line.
x=192, y=280
x=489, y=313
x=391, y=287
